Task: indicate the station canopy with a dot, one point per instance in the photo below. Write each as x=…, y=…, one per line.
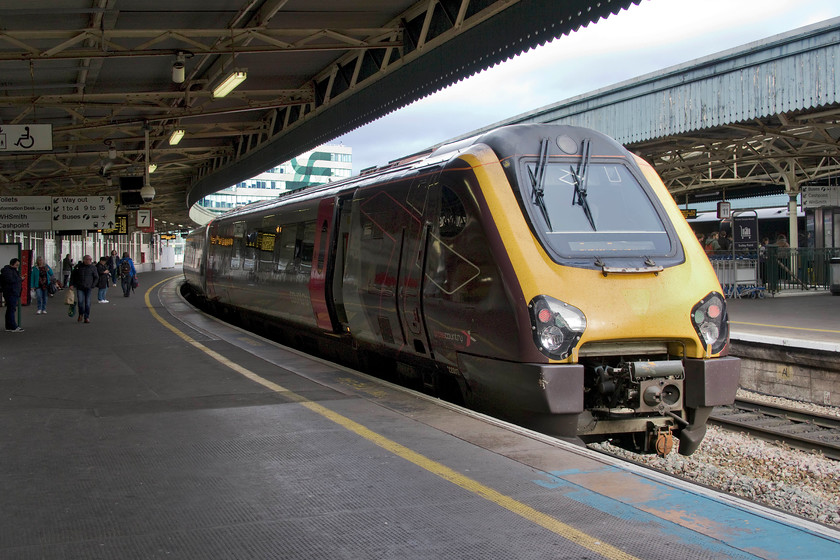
x=119, y=81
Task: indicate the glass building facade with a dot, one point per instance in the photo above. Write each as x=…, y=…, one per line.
x=316, y=167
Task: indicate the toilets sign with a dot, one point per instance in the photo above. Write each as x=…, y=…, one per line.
x=26, y=138
x=58, y=213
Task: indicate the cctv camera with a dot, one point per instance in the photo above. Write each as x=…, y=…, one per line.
x=147, y=193
x=178, y=72
x=178, y=68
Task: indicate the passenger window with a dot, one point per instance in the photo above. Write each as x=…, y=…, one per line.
x=307, y=246
x=285, y=247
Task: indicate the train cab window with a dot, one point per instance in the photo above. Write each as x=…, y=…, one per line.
x=453, y=217
x=606, y=212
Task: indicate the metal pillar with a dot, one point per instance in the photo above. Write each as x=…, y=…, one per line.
x=792, y=190
x=794, y=222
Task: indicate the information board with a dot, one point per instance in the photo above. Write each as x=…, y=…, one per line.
x=820, y=196
x=120, y=226
x=25, y=213
x=82, y=212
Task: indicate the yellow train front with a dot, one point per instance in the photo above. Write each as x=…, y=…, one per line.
x=541, y=271
x=626, y=326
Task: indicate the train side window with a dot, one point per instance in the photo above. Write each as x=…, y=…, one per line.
x=285, y=247
x=453, y=216
x=307, y=247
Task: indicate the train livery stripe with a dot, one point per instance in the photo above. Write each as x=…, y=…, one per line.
x=523, y=510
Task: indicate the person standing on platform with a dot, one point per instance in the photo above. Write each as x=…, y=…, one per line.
x=104, y=278
x=85, y=278
x=724, y=241
x=40, y=279
x=127, y=274
x=113, y=262
x=66, y=270
x=11, y=283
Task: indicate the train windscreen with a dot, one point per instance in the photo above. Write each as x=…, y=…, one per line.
x=600, y=210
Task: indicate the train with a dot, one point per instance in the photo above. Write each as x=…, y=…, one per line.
x=539, y=273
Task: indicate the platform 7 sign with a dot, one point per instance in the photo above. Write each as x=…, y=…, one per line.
x=144, y=218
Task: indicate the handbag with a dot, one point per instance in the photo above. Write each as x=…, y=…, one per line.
x=134, y=281
x=70, y=298
x=52, y=288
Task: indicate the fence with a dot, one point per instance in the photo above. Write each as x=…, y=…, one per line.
x=773, y=269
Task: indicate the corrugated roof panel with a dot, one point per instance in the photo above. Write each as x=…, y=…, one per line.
x=789, y=72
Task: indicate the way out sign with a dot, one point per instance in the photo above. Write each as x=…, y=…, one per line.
x=26, y=138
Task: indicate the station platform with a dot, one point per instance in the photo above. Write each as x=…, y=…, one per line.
x=157, y=432
x=802, y=319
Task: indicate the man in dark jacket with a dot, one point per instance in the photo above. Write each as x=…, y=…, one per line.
x=85, y=278
x=11, y=282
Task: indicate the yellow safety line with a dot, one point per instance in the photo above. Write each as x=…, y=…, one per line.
x=784, y=327
x=544, y=520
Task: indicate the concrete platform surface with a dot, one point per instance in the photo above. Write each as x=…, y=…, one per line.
x=803, y=319
x=156, y=432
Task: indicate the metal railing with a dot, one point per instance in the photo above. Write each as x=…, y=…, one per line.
x=773, y=269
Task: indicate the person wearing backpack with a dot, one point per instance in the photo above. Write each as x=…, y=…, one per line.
x=127, y=274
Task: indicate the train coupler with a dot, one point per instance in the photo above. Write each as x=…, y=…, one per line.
x=660, y=439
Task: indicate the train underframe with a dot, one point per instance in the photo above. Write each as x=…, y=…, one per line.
x=637, y=401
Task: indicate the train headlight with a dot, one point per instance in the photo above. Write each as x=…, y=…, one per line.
x=711, y=322
x=557, y=326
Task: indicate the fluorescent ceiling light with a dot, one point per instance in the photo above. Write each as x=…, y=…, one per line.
x=176, y=136
x=234, y=79
x=152, y=167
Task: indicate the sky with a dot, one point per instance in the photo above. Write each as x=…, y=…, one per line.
x=646, y=38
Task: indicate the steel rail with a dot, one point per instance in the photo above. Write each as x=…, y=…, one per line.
x=746, y=416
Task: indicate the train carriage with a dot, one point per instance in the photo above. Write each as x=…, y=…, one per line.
x=542, y=272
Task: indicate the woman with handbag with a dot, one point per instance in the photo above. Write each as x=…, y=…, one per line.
x=41, y=279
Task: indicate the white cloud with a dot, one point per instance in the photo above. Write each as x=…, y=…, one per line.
x=646, y=38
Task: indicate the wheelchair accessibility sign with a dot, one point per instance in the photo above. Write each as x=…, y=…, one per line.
x=26, y=138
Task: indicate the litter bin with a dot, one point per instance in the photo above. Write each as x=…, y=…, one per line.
x=835, y=276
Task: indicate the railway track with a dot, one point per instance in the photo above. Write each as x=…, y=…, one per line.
x=794, y=427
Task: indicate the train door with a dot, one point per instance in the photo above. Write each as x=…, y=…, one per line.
x=337, y=268
x=320, y=253
x=413, y=264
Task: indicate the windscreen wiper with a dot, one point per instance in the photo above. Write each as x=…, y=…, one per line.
x=538, y=180
x=579, y=175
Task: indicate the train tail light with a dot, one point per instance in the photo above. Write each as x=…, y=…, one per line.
x=557, y=326
x=711, y=322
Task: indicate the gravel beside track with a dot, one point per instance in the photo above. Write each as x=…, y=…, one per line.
x=798, y=482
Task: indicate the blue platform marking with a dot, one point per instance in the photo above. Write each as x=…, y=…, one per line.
x=719, y=527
